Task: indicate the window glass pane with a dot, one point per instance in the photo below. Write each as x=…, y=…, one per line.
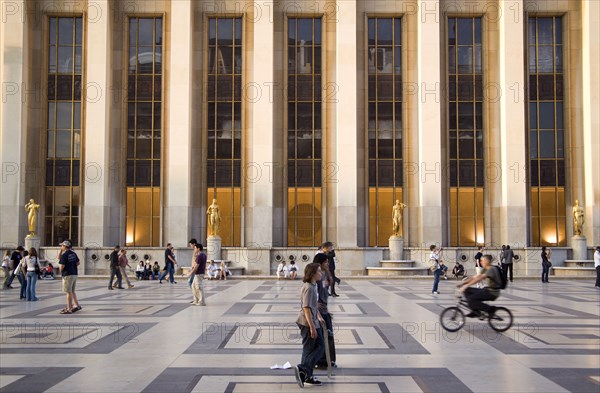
x=547, y=144
x=465, y=59
x=65, y=31
x=546, y=115
x=544, y=30
x=465, y=31
x=65, y=59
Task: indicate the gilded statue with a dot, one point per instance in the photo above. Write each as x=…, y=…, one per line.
x=32, y=209
x=578, y=218
x=397, y=217
x=214, y=218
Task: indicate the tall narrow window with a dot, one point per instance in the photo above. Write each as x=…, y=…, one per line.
x=64, y=130
x=384, y=125
x=546, y=132
x=224, y=123
x=465, y=131
x=304, y=131
x=144, y=125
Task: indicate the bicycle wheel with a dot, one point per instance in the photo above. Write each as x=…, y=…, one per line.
x=452, y=319
x=501, y=320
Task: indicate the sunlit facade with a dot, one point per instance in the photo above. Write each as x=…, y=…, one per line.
x=306, y=121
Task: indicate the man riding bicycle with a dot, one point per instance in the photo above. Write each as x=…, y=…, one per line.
x=476, y=296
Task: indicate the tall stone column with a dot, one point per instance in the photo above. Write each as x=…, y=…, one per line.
x=591, y=118
x=96, y=223
x=178, y=110
x=344, y=184
x=513, y=145
x=259, y=165
x=431, y=225
x=13, y=124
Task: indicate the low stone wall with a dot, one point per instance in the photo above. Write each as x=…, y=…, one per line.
x=349, y=261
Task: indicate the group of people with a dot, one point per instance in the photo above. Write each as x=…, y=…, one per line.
x=146, y=271
x=25, y=265
x=315, y=321
x=287, y=272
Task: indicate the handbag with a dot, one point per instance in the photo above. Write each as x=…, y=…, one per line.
x=38, y=271
x=433, y=264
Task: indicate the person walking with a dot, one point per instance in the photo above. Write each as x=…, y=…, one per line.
x=323, y=291
x=192, y=244
x=170, y=263
x=507, y=268
x=546, y=264
x=123, y=265
x=20, y=272
x=31, y=262
x=309, y=322
x=434, y=258
x=330, y=252
x=68, y=262
x=6, y=268
x=198, y=271
x=15, y=260
x=597, y=265
x=114, y=269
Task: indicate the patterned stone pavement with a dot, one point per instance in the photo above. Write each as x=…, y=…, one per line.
x=388, y=339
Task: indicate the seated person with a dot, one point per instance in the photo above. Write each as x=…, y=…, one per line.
x=155, y=270
x=444, y=270
x=458, y=271
x=282, y=271
x=293, y=270
x=476, y=296
x=139, y=271
x=48, y=271
x=224, y=272
x=211, y=270
x=147, y=270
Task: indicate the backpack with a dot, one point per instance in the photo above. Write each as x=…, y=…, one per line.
x=503, y=281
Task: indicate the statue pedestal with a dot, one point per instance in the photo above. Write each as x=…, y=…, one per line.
x=213, y=248
x=32, y=241
x=396, y=248
x=579, y=246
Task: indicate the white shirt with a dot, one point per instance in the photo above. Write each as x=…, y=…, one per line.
x=31, y=262
x=5, y=261
x=139, y=268
x=597, y=259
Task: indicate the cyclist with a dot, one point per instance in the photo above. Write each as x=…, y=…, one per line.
x=476, y=296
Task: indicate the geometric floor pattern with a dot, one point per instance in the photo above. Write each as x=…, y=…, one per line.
x=388, y=339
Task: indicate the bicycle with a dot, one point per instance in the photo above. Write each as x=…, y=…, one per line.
x=453, y=318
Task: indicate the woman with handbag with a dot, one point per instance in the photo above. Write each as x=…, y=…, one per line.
x=31, y=269
x=546, y=264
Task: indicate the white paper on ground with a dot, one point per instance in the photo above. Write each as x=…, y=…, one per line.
x=284, y=367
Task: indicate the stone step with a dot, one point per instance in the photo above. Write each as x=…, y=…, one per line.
x=574, y=271
x=578, y=263
x=396, y=271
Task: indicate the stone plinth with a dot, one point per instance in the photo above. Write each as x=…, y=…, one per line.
x=396, y=248
x=579, y=246
x=32, y=241
x=213, y=248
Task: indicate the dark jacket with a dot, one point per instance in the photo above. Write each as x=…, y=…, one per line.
x=331, y=258
x=114, y=259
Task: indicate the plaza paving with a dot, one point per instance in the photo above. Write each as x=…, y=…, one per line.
x=388, y=339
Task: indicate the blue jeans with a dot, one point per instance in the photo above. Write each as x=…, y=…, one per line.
x=171, y=271
x=312, y=350
x=23, y=283
x=191, y=280
x=31, y=281
x=436, y=279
